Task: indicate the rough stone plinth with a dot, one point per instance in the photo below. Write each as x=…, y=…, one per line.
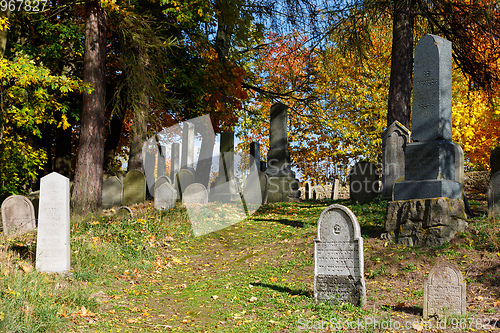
x=425, y=222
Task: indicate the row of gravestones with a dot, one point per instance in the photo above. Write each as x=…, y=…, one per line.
x=339, y=268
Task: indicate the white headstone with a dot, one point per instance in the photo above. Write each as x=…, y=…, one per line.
x=338, y=258
x=195, y=193
x=18, y=215
x=53, y=240
x=165, y=196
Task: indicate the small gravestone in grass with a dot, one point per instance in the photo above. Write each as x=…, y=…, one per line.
x=195, y=194
x=53, y=237
x=444, y=292
x=112, y=192
x=493, y=195
x=18, y=215
x=183, y=179
x=338, y=258
x=165, y=196
x=124, y=211
x=134, y=187
x=162, y=180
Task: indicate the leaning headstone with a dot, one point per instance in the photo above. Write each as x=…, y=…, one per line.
x=195, y=194
x=124, y=211
x=18, y=215
x=165, y=196
x=493, y=195
x=364, y=182
x=394, y=141
x=338, y=258
x=134, y=188
x=444, y=292
x=53, y=237
x=112, y=192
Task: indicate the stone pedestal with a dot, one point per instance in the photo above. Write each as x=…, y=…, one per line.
x=424, y=222
x=283, y=189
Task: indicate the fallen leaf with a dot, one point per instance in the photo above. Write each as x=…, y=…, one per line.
x=252, y=299
x=25, y=267
x=214, y=297
x=496, y=304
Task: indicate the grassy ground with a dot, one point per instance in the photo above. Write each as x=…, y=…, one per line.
x=149, y=274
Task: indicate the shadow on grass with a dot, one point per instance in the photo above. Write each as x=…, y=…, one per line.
x=284, y=289
x=415, y=310
x=292, y=223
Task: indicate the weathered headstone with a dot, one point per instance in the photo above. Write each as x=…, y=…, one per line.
x=174, y=160
x=495, y=160
x=255, y=191
x=255, y=153
x=187, y=158
x=112, y=192
x=363, y=182
x=433, y=163
x=18, y=215
x=162, y=180
x=53, y=237
x=161, y=161
x=134, y=188
x=335, y=189
x=150, y=151
x=308, y=191
x=283, y=186
x=319, y=193
x=493, y=195
x=444, y=292
x=338, y=258
x=124, y=211
x=224, y=188
x=195, y=194
x=183, y=179
x=165, y=196
x=394, y=141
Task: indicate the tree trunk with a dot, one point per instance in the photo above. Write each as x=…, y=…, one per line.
x=399, y=107
x=87, y=189
x=3, y=33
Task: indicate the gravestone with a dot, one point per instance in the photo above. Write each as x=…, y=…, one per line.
x=187, y=158
x=363, y=182
x=150, y=149
x=308, y=191
x=338, y=258
x=319, y=193
x=160, y=170
x=124, y=211
x=394, y=141
x=162, y=180
x=183, y=179
x=255, y=191
x=493, y=194
x=444, y=292
x=174, y=160
x=432, y=184
x=224, y=188
x=53, y=237
x=112, y=192
x=195, y=194
x=335, y=189
x=283, y=186
x=165, y=196
x=495, y=160
x=255, y=153
x=18, y=215
x=134, y=188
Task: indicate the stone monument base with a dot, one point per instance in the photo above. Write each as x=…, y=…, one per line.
x=223, y=190
x=430, y=188
x=424, y=222
x=283, y=189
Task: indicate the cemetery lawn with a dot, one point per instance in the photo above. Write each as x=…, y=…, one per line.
x=149, y=274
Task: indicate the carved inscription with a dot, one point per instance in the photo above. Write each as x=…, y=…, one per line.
x=337, y=258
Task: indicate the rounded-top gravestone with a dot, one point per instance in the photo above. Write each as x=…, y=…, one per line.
x=195, y=194
x=134, y=187
x=112, y=192
x=18, y=215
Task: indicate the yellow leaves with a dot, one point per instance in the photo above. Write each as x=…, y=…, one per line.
x=4, y=23
x=64, y=122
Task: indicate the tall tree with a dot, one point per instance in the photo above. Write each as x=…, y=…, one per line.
x=87, y=190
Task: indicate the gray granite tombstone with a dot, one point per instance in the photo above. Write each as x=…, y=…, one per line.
x=255, y=191
x=161, y=160
x=335, y=189
x=162, y=180
x=183, y=179
x=187, y=158
x=174, y=160
x=150, y=151
x=338, y=258
x=308, y=191
x=112, y=192
x=493, y=194
x=495, y=160
x=363, y=182
x=433, y=163
x=444, y=292
x=53, y=237
x=165, y=196
x=319, y=193
x=134, y=188
x=195, y=193
x=18, y=215
x=255, y=153
x=225, y=188
x=394, y=141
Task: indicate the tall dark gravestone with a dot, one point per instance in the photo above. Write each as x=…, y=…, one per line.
x=433, y=163
x=174, y=160
x=283, y=186
x=394, y=141
x=224, y=188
